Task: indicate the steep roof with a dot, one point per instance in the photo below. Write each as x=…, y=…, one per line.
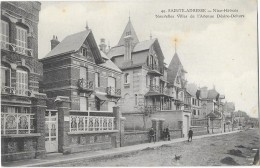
x=72, y=43
x=69, y=44
x=192, y=89
x=140, y=46
x=110, y=65
x=129, y=28
x=173, y=68
x=213, y=94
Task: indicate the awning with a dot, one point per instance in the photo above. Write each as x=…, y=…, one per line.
x=101, y=97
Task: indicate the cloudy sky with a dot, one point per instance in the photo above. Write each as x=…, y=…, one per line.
x=215, y=51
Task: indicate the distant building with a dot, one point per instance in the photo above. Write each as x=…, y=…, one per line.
x=195, y=101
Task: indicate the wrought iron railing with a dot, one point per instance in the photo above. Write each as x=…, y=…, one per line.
x=151, y=109
x=154, y=88
x=85, y=84
x=91, y=123
x=14, y=91
x=111, y=91
x=13, y=47
x=154, y=67
x=17, y=123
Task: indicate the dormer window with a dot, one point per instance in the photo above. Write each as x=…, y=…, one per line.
x=84, y=51
x=21, y=39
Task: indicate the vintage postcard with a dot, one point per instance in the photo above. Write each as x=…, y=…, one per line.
x=129, y=83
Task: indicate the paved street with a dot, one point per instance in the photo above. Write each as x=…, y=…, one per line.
x=230, y=149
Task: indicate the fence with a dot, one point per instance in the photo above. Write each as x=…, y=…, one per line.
x=199, y=122
x=17, y=123
x=91, y=123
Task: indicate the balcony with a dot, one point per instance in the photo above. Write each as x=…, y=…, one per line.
x=85, y=85
x=7, y=90
x=16, y=48
x=154, y=70
x=151, y=109
x=113, y=92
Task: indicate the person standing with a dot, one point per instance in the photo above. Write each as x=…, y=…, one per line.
x=152, y=135
x=190, y=134
x=167, y=133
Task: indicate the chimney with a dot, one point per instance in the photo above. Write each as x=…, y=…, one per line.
x=54, y=42
x=128, y=46
x=102, y=45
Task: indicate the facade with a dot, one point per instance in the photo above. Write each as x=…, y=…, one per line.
x=80, y=74
x=144, y=80
x=195, y=101
x=22, y=106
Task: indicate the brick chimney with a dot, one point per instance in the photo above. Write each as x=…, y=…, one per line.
x=54, y=42
x=102, y=45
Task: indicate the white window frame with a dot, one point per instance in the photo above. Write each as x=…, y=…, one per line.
x=21, y=81
x=4, y=34
x=84, y=51
x=21, y=39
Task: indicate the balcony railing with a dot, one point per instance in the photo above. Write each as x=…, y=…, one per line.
x=85, y=85
x=151, y=109
x=17, y=123
x=13, y=91
x=13, y=47
x=155, y=69
x=91, y=123
x=111, y=91
x=154, y=88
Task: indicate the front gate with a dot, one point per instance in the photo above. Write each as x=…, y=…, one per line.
x=51, y=131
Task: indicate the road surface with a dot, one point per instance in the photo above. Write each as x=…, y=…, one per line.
x=231, y=149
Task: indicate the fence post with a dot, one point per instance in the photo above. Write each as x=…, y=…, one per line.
x=117, y=115
x=39, y=108
x=62, y=104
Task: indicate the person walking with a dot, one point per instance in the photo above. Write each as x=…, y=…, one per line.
x=152, y=135
x=190, y=134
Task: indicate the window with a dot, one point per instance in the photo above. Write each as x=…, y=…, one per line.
x=5, y=76
x=97, y=79
x=194, y=112
x=154, y=81
x=83, y=73
x=98, y=104
x=21, y=39
x=126, y=78
x=21, y=81
x=4, y=34
x=147, y=81
x=83, y=104
x=84, y=51
x=198, y=112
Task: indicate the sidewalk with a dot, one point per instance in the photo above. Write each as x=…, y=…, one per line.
x=52, y=159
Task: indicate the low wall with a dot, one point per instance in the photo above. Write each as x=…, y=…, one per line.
x=197, y=131
x=137, y=137
x=175, y=133
x=18, y=148
x=91, y=141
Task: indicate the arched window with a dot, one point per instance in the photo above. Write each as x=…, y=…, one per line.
x=127, y=78
x=4, y=34
x=21, y=39
x=21, y=81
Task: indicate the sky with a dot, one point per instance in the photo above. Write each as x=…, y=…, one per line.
x=220, y=52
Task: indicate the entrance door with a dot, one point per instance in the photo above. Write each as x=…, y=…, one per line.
x=51, y=131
